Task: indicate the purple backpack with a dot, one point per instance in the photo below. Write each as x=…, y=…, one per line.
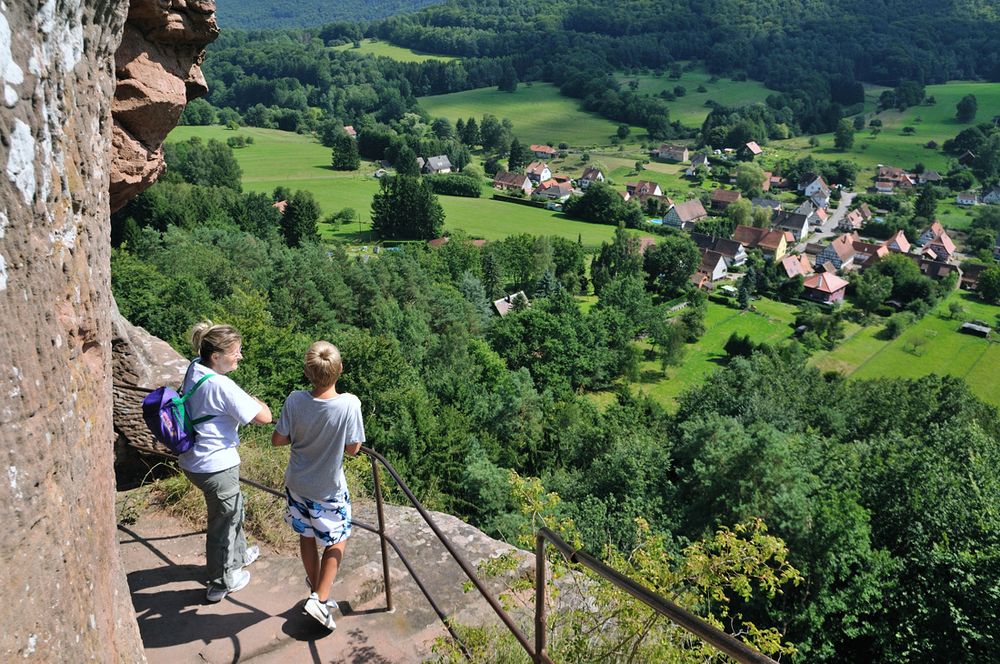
x=167, y=418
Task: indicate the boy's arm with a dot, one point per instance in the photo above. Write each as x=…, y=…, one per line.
x=279, y=439
x=352, y=449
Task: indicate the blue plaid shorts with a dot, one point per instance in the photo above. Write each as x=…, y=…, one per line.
x=328, y=522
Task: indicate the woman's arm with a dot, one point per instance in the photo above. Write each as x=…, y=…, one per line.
x=264, y=416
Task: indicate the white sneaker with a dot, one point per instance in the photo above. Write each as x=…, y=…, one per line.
x=331, y=603
x=218, y=593
x=320, y=612
x=252, y=553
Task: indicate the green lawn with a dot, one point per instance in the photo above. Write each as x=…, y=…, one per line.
x=539, y=112
x=375, y=47
x=299, y=162
x=891, y=147
x=771, y=322
x=690, y=109
x=945, y=350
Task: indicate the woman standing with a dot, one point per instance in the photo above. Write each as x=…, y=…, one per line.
x=213, y=463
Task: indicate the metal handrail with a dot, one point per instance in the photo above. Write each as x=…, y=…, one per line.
x=710, y=634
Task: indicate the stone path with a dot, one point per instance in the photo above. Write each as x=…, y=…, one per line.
x=264, y=623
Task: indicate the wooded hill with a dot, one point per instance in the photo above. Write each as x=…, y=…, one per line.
x=270, y=14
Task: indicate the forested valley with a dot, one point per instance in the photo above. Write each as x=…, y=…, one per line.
x=884, y=492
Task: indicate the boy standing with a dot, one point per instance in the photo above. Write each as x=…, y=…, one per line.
x=321, y=425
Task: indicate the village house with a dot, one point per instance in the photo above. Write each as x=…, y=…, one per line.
x=796, y=266
x=435, y=165
x=967, y=198
x=731, y=250
x=991, y=197
x=866, y=253
x=685, y=215
x=698, y=160
x=349, y=130
x=713, y=265
x=766, y=203
x=857, y=218
x=667, y=152
x=778, y=182
x=970, y=276
x=507, y=303
x=772, y=244
x=553, y=190
x=590, y=175
x=929, y=233
x=898, y=243
x=814, y=215
x=825, y=287
x=935, y=269
x=888, y=178
x=967, y=158
x=937, y=244
x=543, y=151
x=750, y=150
x=643, y=188
x=839, y=253
x=941, y=248
x=723, y=198
x=928, y=177
x=538, y=172
x=793, y=222
x=507, y=181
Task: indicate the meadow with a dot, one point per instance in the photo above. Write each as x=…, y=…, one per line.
x=387, y=50
x=932, y=345
x=279, y=158
x=939, y=348
x=690, y=109
x=935, y=122
x=539, y=112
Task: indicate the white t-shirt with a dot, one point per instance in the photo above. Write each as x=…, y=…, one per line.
x=319, y=429
x=215, y=444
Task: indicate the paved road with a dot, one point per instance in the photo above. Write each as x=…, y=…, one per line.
x=829, y=228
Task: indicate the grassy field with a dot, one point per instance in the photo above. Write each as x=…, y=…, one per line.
x=891, y=146
x=385, y=49
x=690, y=109
x=539, y=112
x=299, y=162
x=862, y=354
x=944, y=350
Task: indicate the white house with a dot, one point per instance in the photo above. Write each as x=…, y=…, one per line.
x=590, y=174
x=438, y=164
x=538, y=172
x=967, y=198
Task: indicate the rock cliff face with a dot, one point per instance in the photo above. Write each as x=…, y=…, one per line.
x=158, y=71
x=64, y=593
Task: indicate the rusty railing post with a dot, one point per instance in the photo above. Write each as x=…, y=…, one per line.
x=381, y=535
x=540, y=655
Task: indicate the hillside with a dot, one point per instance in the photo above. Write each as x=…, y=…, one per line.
x=271, y=14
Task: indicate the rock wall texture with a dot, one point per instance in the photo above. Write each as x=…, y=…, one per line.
x=158, y=71
x=64, y=595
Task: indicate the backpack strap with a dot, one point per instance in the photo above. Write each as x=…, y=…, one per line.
x=180, y=402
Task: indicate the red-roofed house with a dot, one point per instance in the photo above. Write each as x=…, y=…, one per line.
x=898, y=243
x=537, y=172
x=507, y=181
x=750, y=150
x=825, y=287
x=796, y=266
x=349, y=130
x=723, y=198
x=544, y=151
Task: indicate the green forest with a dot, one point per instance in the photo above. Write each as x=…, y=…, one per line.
x=885, y=492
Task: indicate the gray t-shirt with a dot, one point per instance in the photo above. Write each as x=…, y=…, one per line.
x=319, y=429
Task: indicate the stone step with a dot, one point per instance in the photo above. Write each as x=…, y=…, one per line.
x=265, y=622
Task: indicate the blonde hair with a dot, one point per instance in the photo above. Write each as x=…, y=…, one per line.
x=207, y=338
x=323, y=365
